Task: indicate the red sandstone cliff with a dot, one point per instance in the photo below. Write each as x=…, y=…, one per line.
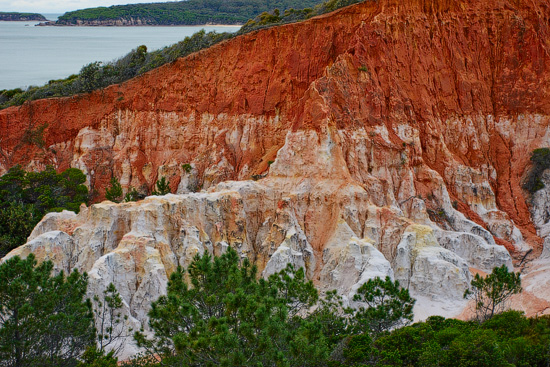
x=392, y=111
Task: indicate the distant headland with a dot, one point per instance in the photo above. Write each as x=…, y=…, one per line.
x=189, y=12
x=21, y=17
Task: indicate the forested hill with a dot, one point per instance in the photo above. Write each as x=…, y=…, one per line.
x=4, y=16
x=191, y=12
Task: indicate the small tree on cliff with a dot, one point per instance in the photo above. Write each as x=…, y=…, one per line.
x=492, y=292
x=114, y=192
x=111, y=333
x=162, y=187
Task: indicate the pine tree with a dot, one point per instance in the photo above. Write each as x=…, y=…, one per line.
x=44, y=319
x=387, y=306
x=114, y=193
x=111, y=332
x=229, y=317
x=132, y=195
x=491, y=293
x=163, y=187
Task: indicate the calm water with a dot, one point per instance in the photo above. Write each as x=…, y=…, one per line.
x=32, y=55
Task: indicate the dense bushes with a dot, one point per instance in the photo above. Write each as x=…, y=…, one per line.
x=26, y=196
x=507, y=339
x=218, y=313
x=229, y=317
x=45, y=320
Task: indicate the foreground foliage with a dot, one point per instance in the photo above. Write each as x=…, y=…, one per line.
x=229, y=317
x=508, y=339
x=25, y=197
x=218, y=313
x=44, y=320
x=387, y=306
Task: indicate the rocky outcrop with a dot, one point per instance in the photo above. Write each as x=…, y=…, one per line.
x=387, y=138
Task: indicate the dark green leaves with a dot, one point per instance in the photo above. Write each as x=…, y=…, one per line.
x=26, y=196
x=44, y=320
x=387, y=306
x=162, y=187
x=490, y=293
x=114, y=192
x=229, y=317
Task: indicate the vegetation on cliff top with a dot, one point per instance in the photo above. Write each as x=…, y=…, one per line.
x=190, y=12
x=14, y=16
x=99, y=75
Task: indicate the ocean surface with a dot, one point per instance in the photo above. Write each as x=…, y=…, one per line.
x=32, y=55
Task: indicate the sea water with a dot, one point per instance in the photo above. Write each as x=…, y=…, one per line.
x=31, y=56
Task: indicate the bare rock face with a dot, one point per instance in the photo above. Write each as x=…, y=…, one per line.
x=389, y=138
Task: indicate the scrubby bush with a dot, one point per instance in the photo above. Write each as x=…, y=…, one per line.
x=45, y=320
x=540, y=159
x=114, y=191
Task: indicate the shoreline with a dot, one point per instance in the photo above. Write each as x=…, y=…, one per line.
x=45, y=24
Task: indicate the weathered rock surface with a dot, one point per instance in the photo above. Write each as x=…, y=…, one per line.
x=387, y=138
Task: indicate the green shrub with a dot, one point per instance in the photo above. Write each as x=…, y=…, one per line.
x=25, y=197
x=46, y=320
x=114, y=192
x=492, y=292
x=162, y=187
x=540, y=159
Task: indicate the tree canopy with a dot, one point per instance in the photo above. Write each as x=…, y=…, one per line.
x=218, y=312
x=226, y=316
x=491, y=293
x=190, y=12
x=44, y=320
x=25, y=197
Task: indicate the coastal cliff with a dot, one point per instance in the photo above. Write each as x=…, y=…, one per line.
x=387, y=138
